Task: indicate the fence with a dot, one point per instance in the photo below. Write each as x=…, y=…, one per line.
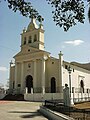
x=80, y=95
x=76, y=96
x=77, y=114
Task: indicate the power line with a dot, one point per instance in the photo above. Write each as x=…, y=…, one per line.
x=5, y=47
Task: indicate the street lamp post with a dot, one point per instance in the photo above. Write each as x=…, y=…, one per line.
x=69, y=71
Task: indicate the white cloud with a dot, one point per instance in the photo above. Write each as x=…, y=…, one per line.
x=74, y=42
x=63, y=46
x=3, y=68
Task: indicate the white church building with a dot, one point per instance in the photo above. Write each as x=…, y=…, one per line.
x=39, y=76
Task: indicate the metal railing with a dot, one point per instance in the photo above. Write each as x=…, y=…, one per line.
x=80, y=90
x=57, y=90
x=77, y=114
x=47, y=90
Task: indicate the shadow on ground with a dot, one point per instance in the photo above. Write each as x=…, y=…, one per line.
x=29, y=115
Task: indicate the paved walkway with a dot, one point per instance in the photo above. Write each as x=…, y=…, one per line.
x=20, y=110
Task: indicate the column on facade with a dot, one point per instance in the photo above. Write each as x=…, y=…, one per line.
x=16, y=77
x=10, y=80
x=43, y=76
x=22, y=77
x=61, y=69
x=35, y=77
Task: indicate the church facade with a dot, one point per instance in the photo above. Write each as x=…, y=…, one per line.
x=35, y=73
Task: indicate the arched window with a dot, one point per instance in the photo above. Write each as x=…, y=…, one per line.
x=53, y=85
x=82, y=85
x=30, y=39
x=35, y=37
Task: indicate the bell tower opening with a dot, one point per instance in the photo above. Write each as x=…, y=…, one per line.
x=33, y=36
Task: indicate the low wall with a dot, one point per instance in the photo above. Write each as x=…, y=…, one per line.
x=2, y=95
x=41, y=97
x=80, y=97
x=75, y=97
x=53, y=115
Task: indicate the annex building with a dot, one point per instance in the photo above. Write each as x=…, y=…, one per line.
x=38, y=75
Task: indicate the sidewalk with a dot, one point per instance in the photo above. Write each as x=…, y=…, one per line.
x=20, y=110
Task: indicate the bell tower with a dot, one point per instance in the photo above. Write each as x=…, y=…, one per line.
x=33, y=36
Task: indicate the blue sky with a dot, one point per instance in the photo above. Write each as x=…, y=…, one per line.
x=75, y=44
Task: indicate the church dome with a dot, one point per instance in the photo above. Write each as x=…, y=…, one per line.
x=33, y=25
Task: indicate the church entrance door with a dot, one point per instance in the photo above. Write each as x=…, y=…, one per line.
x=53, y=85
x=29, y=83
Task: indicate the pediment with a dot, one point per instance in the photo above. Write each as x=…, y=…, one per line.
x=30, y=51
x=31, y=27
x=33, y=54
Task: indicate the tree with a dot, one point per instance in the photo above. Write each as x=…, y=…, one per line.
x=25, y=8
x=89, y=12
x=66, y=13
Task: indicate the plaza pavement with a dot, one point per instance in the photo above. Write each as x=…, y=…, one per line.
x=20, y=110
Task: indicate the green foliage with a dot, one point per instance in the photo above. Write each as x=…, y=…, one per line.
x=89, y=10
x=89, y=14
x=66, y=13
x=25, y=8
